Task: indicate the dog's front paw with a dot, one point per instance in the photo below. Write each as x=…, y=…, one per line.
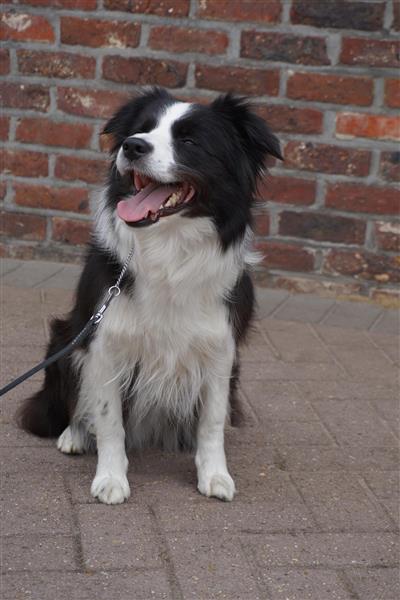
x=70, y=442
x=217, y=485
x=110, y=489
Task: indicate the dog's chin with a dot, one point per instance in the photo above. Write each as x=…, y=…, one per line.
x=153, y=200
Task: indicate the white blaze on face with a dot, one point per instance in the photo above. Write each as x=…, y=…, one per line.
x=159, y=164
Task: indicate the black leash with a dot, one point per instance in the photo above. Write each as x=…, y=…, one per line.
x=90, y=326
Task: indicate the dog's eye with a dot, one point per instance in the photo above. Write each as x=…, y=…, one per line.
x=188, y=141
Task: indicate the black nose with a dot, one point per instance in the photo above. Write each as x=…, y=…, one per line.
x=136, y=148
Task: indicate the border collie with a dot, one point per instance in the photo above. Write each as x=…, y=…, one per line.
x=162, y=367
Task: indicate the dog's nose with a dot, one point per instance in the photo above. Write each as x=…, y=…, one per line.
x=136, y=148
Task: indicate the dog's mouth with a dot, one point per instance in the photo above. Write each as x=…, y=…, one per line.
x=153, y=200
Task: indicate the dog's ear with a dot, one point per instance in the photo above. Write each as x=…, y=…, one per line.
x=257, y=138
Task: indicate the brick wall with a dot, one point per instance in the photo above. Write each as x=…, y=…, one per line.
x=324, y=73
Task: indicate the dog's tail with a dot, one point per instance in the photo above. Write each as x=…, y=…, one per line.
x=46, y=413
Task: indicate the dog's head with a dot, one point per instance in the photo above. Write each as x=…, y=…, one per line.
x=188, y=158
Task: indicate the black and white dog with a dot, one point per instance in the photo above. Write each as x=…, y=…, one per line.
x=162, y=367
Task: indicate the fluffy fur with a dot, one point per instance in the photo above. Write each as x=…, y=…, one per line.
x=162, y=367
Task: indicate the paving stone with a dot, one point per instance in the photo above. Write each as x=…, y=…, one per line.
x=304, y=584
x=375, y=584
x=392, y=507
x=257, y=346
x=389, y=410
x=31, y=274
x=9, y=264
x=118, y=537
x=298, y=344
x=66, y=278
x=346, y=390
x=12, y=436
x=268, y=300
x=38, y=460
x=118, y=585
x=34, y=503
x=299, y=433
x=291, y=371
x=354, y=422
x=389, y=344
x=333, y=336
x=38, y=552
x=323, y=549
x=384, y=484
x=22, y=332
x=16, y=301
x=338, y=502
x=389, y=323
x=354, y=315
x=367, y=364
x=212, y=566
x=304, y=308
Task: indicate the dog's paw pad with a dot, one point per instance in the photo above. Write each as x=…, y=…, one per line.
x=110, y=489
x=219, y=485
x=68, y=443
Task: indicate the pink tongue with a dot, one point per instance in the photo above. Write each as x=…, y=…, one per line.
x=150, y=198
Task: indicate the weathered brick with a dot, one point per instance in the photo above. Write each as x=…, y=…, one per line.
x=362, y=198
x=289, y=119
x=24, y=163
x=338, y=14
x=4, y=127
x=284, y=47
x=95, y=32
x=71, y=231
x=396, y=15
x=3, y=190
x=278, y=255
x=337, y=89
x=4, y=61
x=390, y=166
x=255, y=82
x=288, y=190
x=261, y=223
x=387, y=235
x=41, y=196
x=241, y=10
x=54, y=133
x=328, y=159
x=322, y=228
x=392, y=93
x=163, y=8
x=90, y=103
x=363, y=265
x=71, y=4
x=183, y=39
x=71, y=168
x=23, y=227
x=23, y=27
x=21, y=95
x=368, y=126
x=371, y=53
x=145, y=71
x=56, y=64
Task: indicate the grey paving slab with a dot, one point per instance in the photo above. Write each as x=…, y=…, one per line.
x=374, y=584
x=9, y=264
x=268, y=300
x=354, y=315
x=32, y=552
x=66, y=278
x=304, y=308
x=388, y=323
x=31, y=274
x=310, y=584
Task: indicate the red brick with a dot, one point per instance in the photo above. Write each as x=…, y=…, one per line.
x=364, y=265
x=3, y=190
x=56, y=64
x=338, y=14
x=24, y=227
x=4, y=61
x=71, y=168
x=161, y=8
x=284, y=47
x=390, y=166
x=396, y=15
x=41, y=196
x=21, y=27
x=241, y=10
x=328, y=159
x=96, y=32
x=278, y=255
x=292, y=120
x=261, y=224
x=21, y=95
x=90, y=103
x=71, y=231
x=371, y=53
x=288, y=190
x=362, y=198
x=257, y=82
x=79, y=4
x=52, y=133
x=184, y=39
x=145, y=71
x=23, y=163
x=368, y=126
x=4, y=128
x=331, y=88
x=387, y=236
x=392, y=93
x=322, y=228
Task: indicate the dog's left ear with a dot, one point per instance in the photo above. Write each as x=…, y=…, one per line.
x=255, y=134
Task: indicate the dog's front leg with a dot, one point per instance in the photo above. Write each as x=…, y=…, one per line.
x=103, y=404
x=212, y=472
